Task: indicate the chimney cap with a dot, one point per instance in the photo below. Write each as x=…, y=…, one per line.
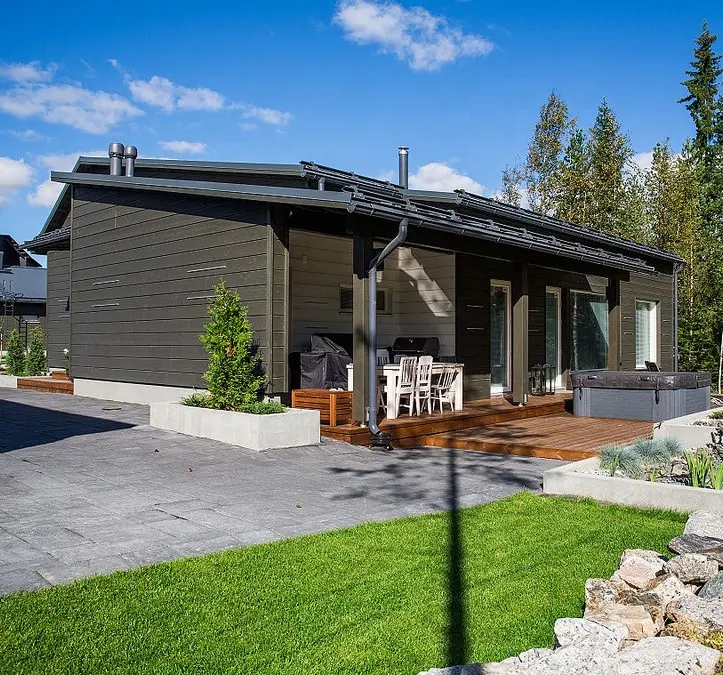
x=115, y=150
x=403, y=149
x=131, y=151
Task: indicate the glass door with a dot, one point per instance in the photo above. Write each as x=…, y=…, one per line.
x=500, y=333
x=553, y=351
x=589, y=331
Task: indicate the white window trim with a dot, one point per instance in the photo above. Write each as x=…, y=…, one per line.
x=380, y=289
x=496, y=388
x=653, y=346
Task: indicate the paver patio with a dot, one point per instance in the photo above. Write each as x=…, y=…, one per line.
x=87, y=487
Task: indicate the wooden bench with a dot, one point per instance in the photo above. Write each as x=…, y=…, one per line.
x=335, y=406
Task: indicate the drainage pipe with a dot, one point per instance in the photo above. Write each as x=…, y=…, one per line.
x=378, y=438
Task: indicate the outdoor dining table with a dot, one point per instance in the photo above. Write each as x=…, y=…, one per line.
x=391, y=372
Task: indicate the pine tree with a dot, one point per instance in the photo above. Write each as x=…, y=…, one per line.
x=233, y=377
x=574, y=198
x=544, y=155
x=610, y=153
x=36, y=362
x=15, y=355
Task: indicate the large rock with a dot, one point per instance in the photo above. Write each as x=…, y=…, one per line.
x=636, y=619
x=574, y=631
x=692, y=568
x=705, y=524
x=712, y=588
x=639, y=567
x=664, y=656
x=667, y=588
x=599, y=592
x=704, y=614
x=693, y=543
x=472, y=669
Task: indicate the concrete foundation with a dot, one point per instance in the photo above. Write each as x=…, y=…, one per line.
x=682, y=428
x=9, y=381
x=577, y=480
x=291, y=428
x=126, y=392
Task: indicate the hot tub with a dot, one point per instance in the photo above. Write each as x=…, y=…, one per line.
x=639, y=395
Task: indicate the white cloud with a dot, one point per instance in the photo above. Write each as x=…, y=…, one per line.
x=27, y=135
x=248, y=126
x=644, y=160
x=442, y=178
x=95, y=112
x=421, y=39
x=184, y=147
x=27, y=72
x=14, y=174
x=162, y=93
x=270, y=116
x=47, y=192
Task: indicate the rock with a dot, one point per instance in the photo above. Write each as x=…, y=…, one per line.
x=692, y=568
x=527, y=657
x=667, y=588
x=638, y=567
x=663, y=656
x=472, y=669
x=712, y=588
x=599, y=592
x=705, y=524
x=692, y=543
x=636, y=619
x=703, y=614
x=573, y=631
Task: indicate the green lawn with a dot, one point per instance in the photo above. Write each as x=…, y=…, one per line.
x=372, y=599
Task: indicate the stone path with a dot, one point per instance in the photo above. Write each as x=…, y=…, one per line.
x=87, y=487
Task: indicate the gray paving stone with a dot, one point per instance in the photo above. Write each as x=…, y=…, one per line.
x=88, y=486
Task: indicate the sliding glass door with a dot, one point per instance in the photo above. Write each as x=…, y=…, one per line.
x=553, y=351
x=589, y=331
x=500, y=334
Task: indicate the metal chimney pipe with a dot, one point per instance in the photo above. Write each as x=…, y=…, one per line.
x=131, y=153
x=404, y=166
x=115, y=152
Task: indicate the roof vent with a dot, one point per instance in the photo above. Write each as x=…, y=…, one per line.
x=404, y=166
x=115, y=152
x=131, y=153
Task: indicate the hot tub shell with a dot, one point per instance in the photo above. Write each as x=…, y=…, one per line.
x=639, y=395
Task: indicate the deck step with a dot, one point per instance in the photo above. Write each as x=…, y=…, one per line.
x=50, y=385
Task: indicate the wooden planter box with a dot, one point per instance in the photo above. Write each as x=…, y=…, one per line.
x=335, y=407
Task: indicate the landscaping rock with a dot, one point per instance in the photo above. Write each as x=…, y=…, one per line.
x=639, y=567
x=599, y=592
x=705, y=524
x=472, y=669
x=712, y=588
x=667, y=588
x=636, y=619
x=574, y=631
x=704, y=614
x=663, y=656
x=692, y=543
x=692, y=568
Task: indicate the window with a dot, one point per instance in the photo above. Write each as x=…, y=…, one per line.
x=346, y=300
x=589, y=331
x=500, y=331
x=646, y=332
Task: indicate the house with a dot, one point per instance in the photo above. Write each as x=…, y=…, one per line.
x=22, y=291
x=135, y=258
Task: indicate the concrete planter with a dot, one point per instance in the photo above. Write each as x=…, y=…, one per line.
x=8, y=381
x=259, y=432
x=685, y=431
x=578, y=480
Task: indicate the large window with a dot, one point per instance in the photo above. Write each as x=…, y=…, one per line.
x=646, y=332
x=500, y=344
x=589, y=331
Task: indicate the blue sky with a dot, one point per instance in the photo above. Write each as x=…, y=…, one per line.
x=342, y=84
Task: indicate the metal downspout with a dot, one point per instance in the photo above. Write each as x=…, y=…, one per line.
x=378, y=438
x=676, y=268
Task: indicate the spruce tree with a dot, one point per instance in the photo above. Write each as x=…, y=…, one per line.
x=574, y=198
x=15, y=355
x=36, y=362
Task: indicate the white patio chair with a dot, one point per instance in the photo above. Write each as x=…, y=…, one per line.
x=382, y=357
x=442, y=390
x=423, y=385
x=382, y=360
x=405, y=386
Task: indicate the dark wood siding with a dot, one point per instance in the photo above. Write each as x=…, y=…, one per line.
x=58, y=308
x=658, y=288
x=144, y=266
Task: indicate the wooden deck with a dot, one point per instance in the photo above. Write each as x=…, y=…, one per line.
x=52, y=385
x=561, y=436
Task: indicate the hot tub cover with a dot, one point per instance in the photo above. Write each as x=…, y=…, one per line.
x=642, y=379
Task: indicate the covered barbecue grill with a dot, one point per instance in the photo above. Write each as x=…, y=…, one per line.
x=414, y=346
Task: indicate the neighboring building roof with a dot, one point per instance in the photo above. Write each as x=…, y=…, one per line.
x=12, y=255
x=26, y=284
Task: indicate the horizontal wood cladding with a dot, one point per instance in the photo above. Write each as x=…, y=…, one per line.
x=143, y=270
x=657, y=288
x=58, y=308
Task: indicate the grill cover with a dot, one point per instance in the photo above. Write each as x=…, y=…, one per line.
x=324, y=365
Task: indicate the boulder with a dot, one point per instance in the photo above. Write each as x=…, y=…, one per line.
x=712, y=588
x=639, y=567
x=472, y=669
x=599, y=592
x=692, y=568
x=667, y=588
x=705, y=524
x=693, y=543
x=663, y=656
x=703, y=614
x=636, y=619
x=574, y=631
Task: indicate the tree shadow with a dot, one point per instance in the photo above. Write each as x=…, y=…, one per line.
x=26, y=426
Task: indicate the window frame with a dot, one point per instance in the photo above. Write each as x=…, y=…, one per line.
x=653, y=338
x=383, y=290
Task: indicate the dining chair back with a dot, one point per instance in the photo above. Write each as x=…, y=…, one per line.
x=406, y=384
x=423, y=384
x=442, y=389
x=382, y=357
